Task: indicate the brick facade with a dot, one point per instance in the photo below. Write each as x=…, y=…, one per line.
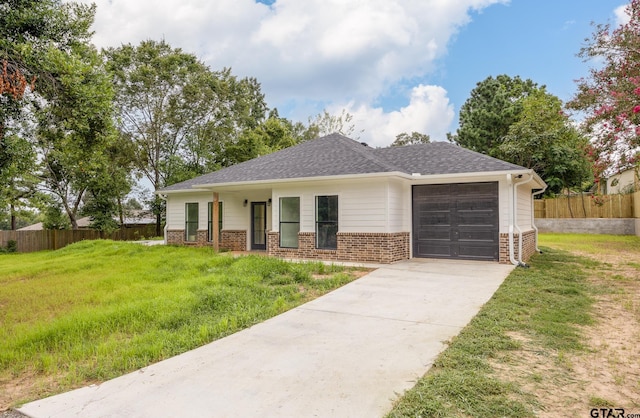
x=352, y=246
x=176, y=237
x=528, y=246
x=233, y=240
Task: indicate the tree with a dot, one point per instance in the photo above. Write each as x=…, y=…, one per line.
x=610, y=95
x=75, y=126
x=180, y=116
x=18, y=177
x=325, y=123
x=29, y=31
x=410, y=139
x=493, y=106
x=544, y=140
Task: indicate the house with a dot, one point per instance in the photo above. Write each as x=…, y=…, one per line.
x=624, y=182
x=333, y=198
x=133, y=218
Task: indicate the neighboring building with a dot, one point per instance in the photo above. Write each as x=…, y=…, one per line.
x=333, y=198
x=624, y=182
x=133, y=218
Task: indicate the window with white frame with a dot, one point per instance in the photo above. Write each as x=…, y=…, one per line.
x=289, y=221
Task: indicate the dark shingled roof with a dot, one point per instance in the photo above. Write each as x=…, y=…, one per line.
x=336, y=155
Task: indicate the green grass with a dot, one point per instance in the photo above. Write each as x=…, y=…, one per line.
x=591, y=243
x=97, y=309
x=546, y=303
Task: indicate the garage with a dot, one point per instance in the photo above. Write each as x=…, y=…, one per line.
x=458, y=220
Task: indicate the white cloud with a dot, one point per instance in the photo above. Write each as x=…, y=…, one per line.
x=622, y=17
x=428, y=111
x=311, y=53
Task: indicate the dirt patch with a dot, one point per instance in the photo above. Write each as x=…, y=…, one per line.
x=27, y=385
x=607, y=373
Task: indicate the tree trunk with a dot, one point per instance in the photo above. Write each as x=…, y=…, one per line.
x=12, y=210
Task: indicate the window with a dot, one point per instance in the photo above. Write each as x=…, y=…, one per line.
x=289, y=221
x=210, y=221
x=191, y=222
x=327, y=222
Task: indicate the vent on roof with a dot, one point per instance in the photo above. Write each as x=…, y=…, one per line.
x=365, y=144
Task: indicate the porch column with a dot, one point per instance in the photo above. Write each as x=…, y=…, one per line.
x=215, y=221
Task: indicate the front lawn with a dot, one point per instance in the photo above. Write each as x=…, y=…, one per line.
x=97, y=309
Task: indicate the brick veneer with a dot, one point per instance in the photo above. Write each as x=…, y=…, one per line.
x=233, y=240
x=528, y=246
x=176, y=237
x=352, y=246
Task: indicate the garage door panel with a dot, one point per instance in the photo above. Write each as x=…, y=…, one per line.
x=476, y=235
x=483, y=217
x=437, y=218
x=442, y=234
x=471, y=251
x=437, y=251
x=456, y=221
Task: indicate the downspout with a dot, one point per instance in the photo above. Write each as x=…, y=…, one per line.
x=511, y=220
x=166, y=224
x=515, y=217
x=533, y=224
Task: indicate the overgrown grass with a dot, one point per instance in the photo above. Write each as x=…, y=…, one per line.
x=97, y=309
x=546, y=303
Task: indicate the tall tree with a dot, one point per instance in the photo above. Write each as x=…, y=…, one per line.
x=75, y=126
x=29, y=31
x=179, y=115
x=493, y=106
x=610, y=95
x=545, y=140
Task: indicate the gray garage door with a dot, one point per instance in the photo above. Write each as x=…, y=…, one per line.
x=456, y=221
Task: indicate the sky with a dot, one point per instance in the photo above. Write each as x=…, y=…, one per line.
x=395, y=65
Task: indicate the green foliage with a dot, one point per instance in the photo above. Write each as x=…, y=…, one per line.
x=54, y=218
x=30, y=32
x=12, y=246
x=179, y=116
x=97, y=309
x=410, y=139
x=547, y=303
x=544, y=140
x=608, y=98
x=493, y=106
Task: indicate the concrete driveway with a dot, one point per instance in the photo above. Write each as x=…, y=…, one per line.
x=349, y=353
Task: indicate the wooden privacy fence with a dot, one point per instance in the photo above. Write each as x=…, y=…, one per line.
x=29, y=241
x=603, y=206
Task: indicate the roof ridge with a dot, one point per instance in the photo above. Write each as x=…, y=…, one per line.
x=369, y=153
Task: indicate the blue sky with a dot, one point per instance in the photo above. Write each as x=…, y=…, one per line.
x=396, y=65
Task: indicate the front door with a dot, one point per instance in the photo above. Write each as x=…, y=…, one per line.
x=258, y=225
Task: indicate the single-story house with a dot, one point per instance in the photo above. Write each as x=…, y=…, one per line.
x=132, y=218
x=334, y=198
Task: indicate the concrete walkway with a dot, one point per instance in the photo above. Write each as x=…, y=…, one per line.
x=347, y=354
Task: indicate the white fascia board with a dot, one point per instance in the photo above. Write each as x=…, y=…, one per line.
x=208, y=187
x=414, y=178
